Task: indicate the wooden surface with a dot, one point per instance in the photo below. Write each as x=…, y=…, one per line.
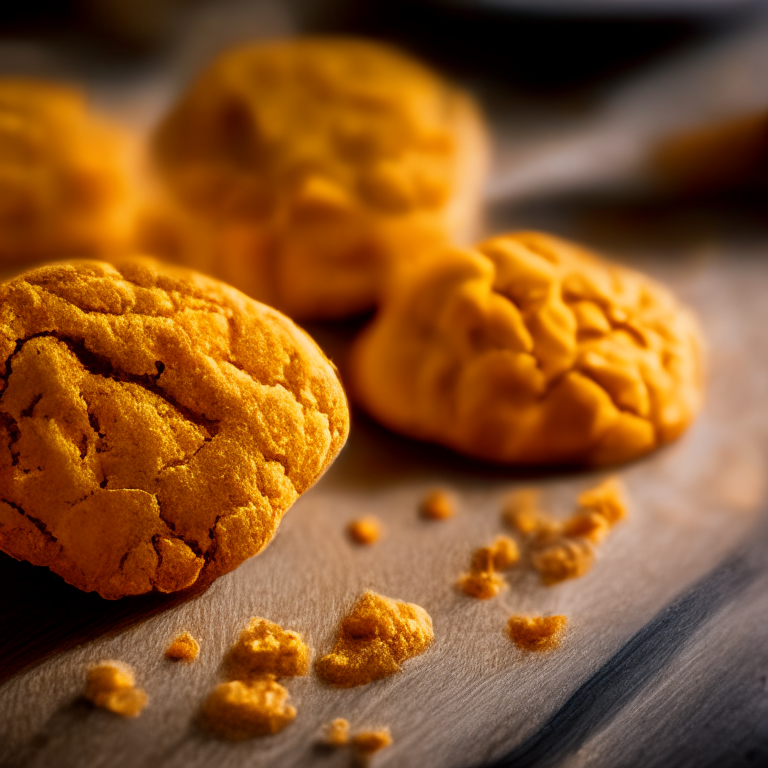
x=665, y=662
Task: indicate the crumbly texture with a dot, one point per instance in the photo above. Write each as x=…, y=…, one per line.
x=566, y=550
x=521, y=510
x=530, y=350
x=307, y=166
x=183, y=648
x=337, y=733
x=366, y=530
x=536, y=633
x=65, y=176
x=369, y=742
x=111, y=685
x=483, y=580
x=437, y=505
x=243, y=710
x=155, y=424
x=266, y=648
x=374, y=640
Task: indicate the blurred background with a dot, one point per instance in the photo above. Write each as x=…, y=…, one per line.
x=603, y=110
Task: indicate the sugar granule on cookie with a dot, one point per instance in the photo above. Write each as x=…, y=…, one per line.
x=111, y=685
x=266, y=648
x=336, y=733
x=374, y=640
x=184, y=647
x=536, y=633
x=114, y=426
x=243, y=710
x=437, y=505
x=366, y=530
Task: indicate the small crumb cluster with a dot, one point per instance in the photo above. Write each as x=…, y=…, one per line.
x=536, y=633
x=252, y=703
x=374, y=639
x=111, y=685
x=484, y=580
x=183, y=648
x=366, y=530
x=437, y=505
x=566, y=550
x=364, y=743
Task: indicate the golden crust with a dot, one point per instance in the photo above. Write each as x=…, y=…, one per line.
x=308, y=165
x=530, y=350
x=65, y=176
x=155, y=424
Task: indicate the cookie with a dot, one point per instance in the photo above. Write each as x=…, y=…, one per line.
x=307, y=166
x=155, y=424
x=65, y=177
x=530, y=350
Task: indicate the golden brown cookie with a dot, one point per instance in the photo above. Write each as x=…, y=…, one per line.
x=306, y=166
x=530, y=350
x=65, y=176
x=155, y=424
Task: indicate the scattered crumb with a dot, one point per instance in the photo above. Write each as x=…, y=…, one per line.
x=482, y=586
x=607, y=499
x=374, y=639
x=536, y=633
x=521, y=510
x=563, y=550
x=266, y=648
x=111, y=685
x=505, y=553
x=437, y=505
x=183, y=648
x=242, y=710
x=584, y=524
x=368, y=742
x=367, y=530
x=483, y=582
x=337, y=733
x=564, y=559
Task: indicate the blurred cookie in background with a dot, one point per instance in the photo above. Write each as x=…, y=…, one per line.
x=66, y=186
x=303, y=168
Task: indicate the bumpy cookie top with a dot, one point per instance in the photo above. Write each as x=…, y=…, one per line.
x=528, y=349
x=154, y=424
x=64, y=175
x=328, y=140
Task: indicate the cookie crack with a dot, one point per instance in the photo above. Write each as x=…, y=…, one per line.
x=36, y=521
x=98, y=365
x=14, y=434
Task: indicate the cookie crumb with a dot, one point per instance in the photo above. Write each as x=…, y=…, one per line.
x=521, y=510
x=183, y=648
x=374, y=639
x=483, y=582
x=606, y=499
x=366, y=530
x=367, y=743
x=243, y=710
x=437, y=505
x=536, y=633
x=111, y=685
x=337, y=733
x=266, y=648
x=563, y=559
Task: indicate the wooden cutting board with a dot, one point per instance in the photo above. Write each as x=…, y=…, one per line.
x=666, y=652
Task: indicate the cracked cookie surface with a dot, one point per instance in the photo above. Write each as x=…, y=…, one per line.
x=308, y=165
x=65, y=176
x=155, y=424
x=528, y=349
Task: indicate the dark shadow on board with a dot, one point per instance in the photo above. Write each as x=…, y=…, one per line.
x=41, y=615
